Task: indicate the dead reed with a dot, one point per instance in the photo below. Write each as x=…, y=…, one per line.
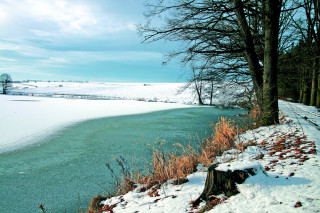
x=223, y=138
x=168, y=166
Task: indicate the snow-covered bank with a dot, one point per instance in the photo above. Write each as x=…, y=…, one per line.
x=24, y=118
x=289, y=153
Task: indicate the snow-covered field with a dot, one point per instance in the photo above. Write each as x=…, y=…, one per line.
x=289, y=153
x=120, y=91
x=151, y=92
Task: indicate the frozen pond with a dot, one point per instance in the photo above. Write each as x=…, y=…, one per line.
x=67, y=169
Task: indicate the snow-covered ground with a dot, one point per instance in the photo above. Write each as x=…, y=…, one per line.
x=24, y=119
x=151, y=92
x=288, y=152
x=286, y=157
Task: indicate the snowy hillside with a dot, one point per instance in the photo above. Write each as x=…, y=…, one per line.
x=151, y=92
x=286, y=155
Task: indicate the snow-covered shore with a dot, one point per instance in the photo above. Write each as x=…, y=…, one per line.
x=288, y=152
x=24, y=119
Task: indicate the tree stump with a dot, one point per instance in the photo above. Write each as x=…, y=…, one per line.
x=223, y=182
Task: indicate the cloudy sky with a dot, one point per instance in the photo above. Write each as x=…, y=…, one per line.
x=94, y=40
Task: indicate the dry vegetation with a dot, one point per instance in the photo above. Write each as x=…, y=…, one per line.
x=168, y=166
x=223, y=139
x=176, y=167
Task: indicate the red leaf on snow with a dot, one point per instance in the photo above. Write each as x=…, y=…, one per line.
x=298, y=204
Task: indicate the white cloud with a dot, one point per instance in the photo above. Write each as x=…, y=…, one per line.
x=69, y=16
x=61, y=18
x=4, y=15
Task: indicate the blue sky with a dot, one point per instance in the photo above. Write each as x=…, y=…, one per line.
x=93, y=40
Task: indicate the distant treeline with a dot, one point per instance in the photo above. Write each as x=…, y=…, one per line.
x=298, y=74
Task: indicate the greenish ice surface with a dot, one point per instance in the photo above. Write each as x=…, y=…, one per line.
x=65, y=170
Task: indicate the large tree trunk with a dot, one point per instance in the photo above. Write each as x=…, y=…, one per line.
x=314, y=83
x=270, y=110
x=264, y=85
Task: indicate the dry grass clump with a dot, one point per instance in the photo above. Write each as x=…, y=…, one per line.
x=168, y=166
x=222, y=140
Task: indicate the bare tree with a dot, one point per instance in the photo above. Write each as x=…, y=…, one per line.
x=209, y=79
x=235, y=39
x=6, y=82
x=198, y=83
